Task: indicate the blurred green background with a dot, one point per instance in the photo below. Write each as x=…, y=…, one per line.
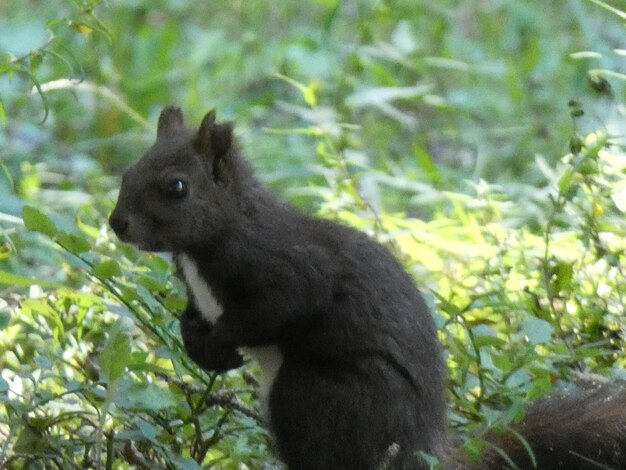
x=482, y=140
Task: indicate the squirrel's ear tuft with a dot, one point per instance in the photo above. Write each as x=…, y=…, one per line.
x=213, y=137
x=170, y=121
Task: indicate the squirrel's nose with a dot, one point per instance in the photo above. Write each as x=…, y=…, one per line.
x=118, y=223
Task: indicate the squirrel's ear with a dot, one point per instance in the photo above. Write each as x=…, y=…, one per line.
x=214, y=137
x=170, y=121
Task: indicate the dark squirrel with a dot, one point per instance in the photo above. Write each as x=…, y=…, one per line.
x=354, y=377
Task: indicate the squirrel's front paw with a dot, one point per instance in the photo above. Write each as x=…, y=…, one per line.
x=205, y=348
x=222, y=360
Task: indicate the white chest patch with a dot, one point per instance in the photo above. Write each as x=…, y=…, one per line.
x=270, y=359
x=204, y=300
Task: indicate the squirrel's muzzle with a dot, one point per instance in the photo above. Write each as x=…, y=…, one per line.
x=119, y=224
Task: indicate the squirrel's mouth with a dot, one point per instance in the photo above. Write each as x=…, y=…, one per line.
x=152, y=245
x=141, y=244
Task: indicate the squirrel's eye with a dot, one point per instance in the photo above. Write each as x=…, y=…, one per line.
x=176, y=189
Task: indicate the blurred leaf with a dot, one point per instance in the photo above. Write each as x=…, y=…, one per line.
x=91, y=231
x=619, y=198
x=175, y=303
x=11, y=279
x=610, y=8
x=5, y=251
x=383, y=95
x=474, y=448
x=565, y=180
x=329, y=4
x=115, y=354
x=30, y=441
x=145, y=396
x=425, y=160
x=82, y=28
x=150, y=283
x=482, y=341
x=184, y=463
x=46, y=310
x=37, y=221
x=5, y=318
x=148, y=430
x=308, y=91
x=586, y=55
x=73, y=243
x=403, y=38
x=431, y=461
x=106, y=269
x=564, y=275
x=537, y=331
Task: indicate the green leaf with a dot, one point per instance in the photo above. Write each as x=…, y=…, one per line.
x=308, y=91
x=618, y=196
x=43, y=308
x=431, y=460
x=150, y=284
x=610, y=8
x=474, y=448
x=73, y=243
x=148, y=430
x=427, y=164
x=107, y=269
x=564, y=276
x=493, y=341
x=329, y=4
x=175, y=303
x=145, y=396
x=5, y=319
x=565, y=180
x=30, y=441
x=115, y=355
x=10, y=279
x=37, y=221
x=183, y=463
x=89, y=230
x=537, y=331
x=128, y=294
x=82, y=28
x=5, y=251
x=4, y=385
x=3, y=116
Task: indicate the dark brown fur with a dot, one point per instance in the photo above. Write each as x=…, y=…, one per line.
x=585, y=430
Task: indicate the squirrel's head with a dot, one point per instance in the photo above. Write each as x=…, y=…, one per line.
x=184, y=190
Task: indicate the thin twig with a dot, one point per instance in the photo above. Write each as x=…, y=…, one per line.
x=101, y=90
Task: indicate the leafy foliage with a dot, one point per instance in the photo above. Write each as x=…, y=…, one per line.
x=456, y=164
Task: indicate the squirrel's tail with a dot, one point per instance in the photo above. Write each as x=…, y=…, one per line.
x=586, y=430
